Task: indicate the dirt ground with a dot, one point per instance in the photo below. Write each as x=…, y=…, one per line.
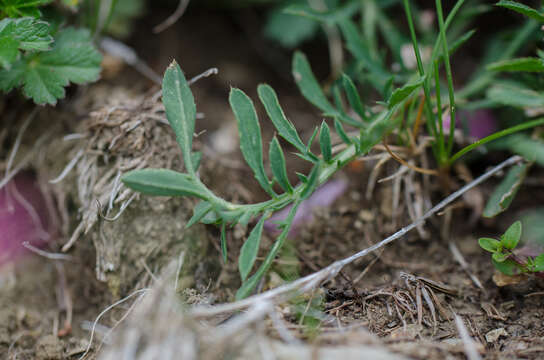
x=403, y=297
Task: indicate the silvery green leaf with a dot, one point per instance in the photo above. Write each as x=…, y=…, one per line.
x=341, y=132
x=180, y=110
x=285, y=128
x=353, y=96
x=308, y=85
x=250, y=135
x=248, y=252
x=325, y=142
x=200, y=210
x=163, y=182
x=504, y=193
x=312, y=182
x=224, y=242
x=402, y=93
x=277, y=164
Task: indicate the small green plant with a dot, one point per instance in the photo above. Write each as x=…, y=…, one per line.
x=504, y=257
x=371, y=125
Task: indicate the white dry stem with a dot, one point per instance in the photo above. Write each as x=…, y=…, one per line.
x=311, y=281
x=119, y=302
x=468, y=343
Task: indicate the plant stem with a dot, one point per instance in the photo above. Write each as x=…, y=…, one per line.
x=451, y=91
x=495, y=136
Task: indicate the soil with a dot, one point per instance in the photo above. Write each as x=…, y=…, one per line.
x=401, y=300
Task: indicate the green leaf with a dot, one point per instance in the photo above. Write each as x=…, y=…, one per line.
x=521, y=144
x=511, y=236
x=311, y=184
x=308, y=85
x=310, y=142
x=539, y=263
x=528, y=64
x=200, y=210
x=250, y=135
x=341, y=132
x=508, y=267
x=285, y=128
x=489, y=244
x=248, y=286
x=457, y=44
x=522, y=9
x=515, y=95
x=300, y=29
x=402, y=93
x=330, y=17
x=499, y=257
x=504, y=193
x=377, y=130
x=163, y=182
x=9, y=49
x=180, y=111
x=277, y=164
x=224, y=242
x=325, y=142
x=248, y=252
x=43, y=76
x=196, y=158
x=353, y=96
x=21, y=8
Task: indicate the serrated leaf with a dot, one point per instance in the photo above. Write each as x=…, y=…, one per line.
x=180, y=111
x=489, y=244
x=163, y=182
x=278, y=166
x=250, y=135
x=21, y=8
x=9, y=49
x=522, y=9
x=353, y=96
x=308, y=85
x=511, y=236
x=539, y=263
x=200, y=210
x=311, y=184
x=515, y=95
x=325, y=142
x=402, y=93
x=248, y=252
x=528, y=64
x=504, y=193
x=499, y=257
x=285, y=128
x=43, y=76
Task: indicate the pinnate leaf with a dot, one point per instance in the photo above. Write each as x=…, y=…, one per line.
x=43, y=76
x=250, y=135
x=180, y=110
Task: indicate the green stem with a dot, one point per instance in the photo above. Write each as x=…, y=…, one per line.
x=449, y=76
x=495, y=136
